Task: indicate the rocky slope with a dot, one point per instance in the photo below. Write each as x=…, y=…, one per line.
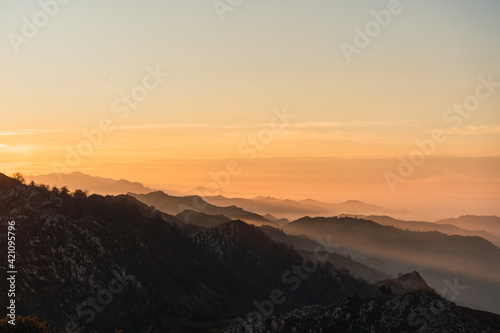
x=421, y=312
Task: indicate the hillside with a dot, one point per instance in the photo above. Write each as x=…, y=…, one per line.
x=474, y=222
x=307, y=247
x=414, y=312
x=175, y=205
x=438, y=257
x=449, y=229
x=71, y=248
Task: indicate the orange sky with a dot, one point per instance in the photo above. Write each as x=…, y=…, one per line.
x=170, y=93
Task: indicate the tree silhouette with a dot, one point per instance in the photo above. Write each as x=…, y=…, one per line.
x=18, y=176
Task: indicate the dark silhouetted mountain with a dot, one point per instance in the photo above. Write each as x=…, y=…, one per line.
x=97, y=185
x=406, y=283
x=174, y=205
x=202, y=219
x=143, y=270
x=7, y=183
x=428, y=226
x=105, y=263
x=473, y=261
x=414, y=312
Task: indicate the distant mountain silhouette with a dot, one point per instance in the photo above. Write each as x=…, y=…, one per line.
x=275, y=219
x=355, y=207
x=175, y=205
x=295, y=209
x=449, y=229
x=268, y=205
x=490, y=224
x=97, y=185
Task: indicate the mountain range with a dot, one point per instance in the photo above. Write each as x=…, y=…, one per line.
x=175, y=205
x=471, y=260
x=97, y=185
x=447, y=226
x=161, y=263
x=280, y=208
x=292, y=209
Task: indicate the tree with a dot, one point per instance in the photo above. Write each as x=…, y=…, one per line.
x=80, y=194
x=18, y=176
x=64, y=191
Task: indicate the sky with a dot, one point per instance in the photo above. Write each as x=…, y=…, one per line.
x=301, y=95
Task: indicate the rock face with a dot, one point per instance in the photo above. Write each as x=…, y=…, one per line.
x=405, y=284
x=421, y=312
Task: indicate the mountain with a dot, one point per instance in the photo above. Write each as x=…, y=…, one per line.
x=94, y=263
x=175, y=205
x=97, y=185
x=413, y=312
x=201, y=219
x=295, y=209
x=249, y=252
x=306, y=248
x=275, y=219
x=8, y=183
x=355, y=207
x=473, y=222
x=269, y=205
x=449, y=229
x=112, y=262
x=405, y=283
x=469, y=261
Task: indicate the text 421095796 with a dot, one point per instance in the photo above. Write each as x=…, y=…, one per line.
x=11, y=272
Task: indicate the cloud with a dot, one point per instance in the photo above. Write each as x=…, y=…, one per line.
x=163, y=125
x=475, y=130
x=29, y=132
x=350, y=124
x=20, y=149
